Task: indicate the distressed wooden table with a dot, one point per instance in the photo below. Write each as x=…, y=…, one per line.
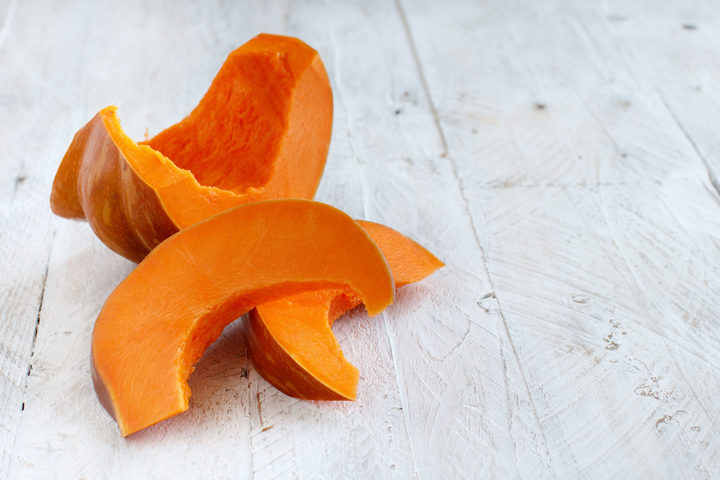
x=561, y=157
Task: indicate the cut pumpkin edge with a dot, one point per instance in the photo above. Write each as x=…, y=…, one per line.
x=107, y=400
x=347, y=396
x=178, y=175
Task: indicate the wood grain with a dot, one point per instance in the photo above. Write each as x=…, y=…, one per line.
x=560, y=157
x=587, y=231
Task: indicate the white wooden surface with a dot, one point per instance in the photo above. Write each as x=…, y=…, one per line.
x=561, y=157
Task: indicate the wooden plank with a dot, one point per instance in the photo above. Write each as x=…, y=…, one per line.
x=26, y=229
x=567, y=163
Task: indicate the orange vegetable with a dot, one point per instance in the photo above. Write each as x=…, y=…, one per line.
x=261, y=131
x=158, y=322
x=290, y=340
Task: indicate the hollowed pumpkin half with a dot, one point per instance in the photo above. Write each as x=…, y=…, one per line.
x=290, y=340
x=261, y=131
x=158, y=322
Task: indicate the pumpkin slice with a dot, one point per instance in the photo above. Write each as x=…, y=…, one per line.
x=261, y=131
x=158, y=322
x=290, y=340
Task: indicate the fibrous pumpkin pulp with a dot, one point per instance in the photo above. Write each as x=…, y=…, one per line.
x=261, y=131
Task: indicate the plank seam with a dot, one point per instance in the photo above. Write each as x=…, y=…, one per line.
x=37, y=319
x=423, y=82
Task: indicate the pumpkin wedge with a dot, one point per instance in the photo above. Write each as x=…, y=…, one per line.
x=290, y=340
x=261, y=131
x=158, y=322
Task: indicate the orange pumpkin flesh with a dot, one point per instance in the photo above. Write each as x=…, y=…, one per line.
x=261, y=131
x=290, y=340
x=158, y=322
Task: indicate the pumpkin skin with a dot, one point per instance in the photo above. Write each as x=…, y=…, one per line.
x=290, y=340
x=158, y=322
x=262, y=131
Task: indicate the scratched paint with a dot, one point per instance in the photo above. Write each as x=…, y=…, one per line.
x=559, y=158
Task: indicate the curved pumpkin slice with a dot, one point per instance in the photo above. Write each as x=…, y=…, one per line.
x=158, y=322
x=261, y=131
x=290, y=340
